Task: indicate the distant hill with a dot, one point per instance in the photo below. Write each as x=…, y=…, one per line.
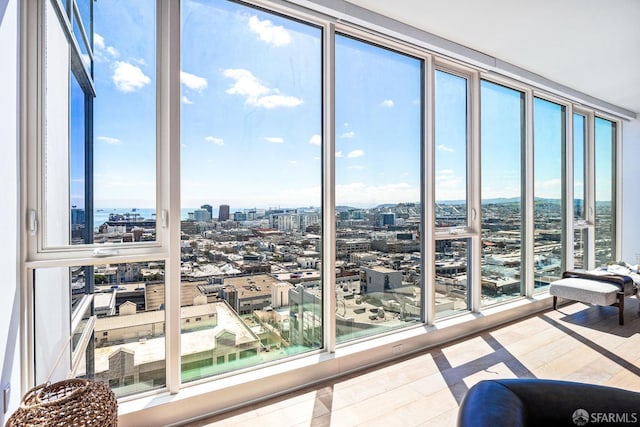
x=344, y=208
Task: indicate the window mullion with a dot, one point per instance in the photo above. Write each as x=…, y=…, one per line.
x=474, y=270
x=168, y=176
x=568, y=198
x=428, y=195
x=617, y=199
x=528, y=239
x=590, y=193
x=328, y=191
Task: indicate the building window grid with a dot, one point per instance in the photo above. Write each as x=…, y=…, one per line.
x=72, y=258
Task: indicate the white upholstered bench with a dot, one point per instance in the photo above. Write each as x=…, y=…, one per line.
x=593, y=289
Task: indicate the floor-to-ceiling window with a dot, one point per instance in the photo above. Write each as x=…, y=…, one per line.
x=580, y=225
x=549, y=146
x=605, y=210
x=251, y=121
x=378, y=188
x=502, y=141
x=264, y=98
x=451, y=193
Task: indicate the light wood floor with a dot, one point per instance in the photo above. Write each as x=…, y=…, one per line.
x=577, y=343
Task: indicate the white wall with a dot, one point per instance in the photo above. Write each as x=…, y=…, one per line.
x=9, y=224
x=631, y=192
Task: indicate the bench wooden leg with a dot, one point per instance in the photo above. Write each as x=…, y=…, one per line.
x=555, y=302
x=621, y=308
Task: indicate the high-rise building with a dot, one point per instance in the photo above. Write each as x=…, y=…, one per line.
x=208, y=208
x=388, y=219
x=77, y=216
x=223, y=213
x=201, y=215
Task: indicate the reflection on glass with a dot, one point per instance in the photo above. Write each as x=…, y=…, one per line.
x=451, y=150
x=77, y=166
x=124, y=121
x=502, y=139
x=85, y=7
x=129, y=334
x=548, y=134
x=115, y=317
x=452, y=259
x=605, y=140
x=251, y=179
x=85, y=58
x=579, y=248
x=378, y=139
x=579, y=177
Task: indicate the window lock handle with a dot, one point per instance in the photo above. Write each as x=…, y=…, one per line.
x=33, y=222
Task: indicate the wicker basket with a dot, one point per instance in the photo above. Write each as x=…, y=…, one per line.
x=73, y=402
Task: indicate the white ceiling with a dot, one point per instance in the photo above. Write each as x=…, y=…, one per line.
x=592, y=46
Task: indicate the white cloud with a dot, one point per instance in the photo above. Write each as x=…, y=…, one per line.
x=338, y=154
x=355, y=154
x=109, y=140
x=274, y=139
x=275, y=35
x=315, y=140
x=86, y=59
x=443, y=147
x=550, y=189
x=112, y=51
x=215, y=140
x=192, y=81
x=246, y=84
x=274, y=101
x=349, y=134
x=255, y=93
x=447, y=179
x=115, y=189
x=358, y=193
x=450, y=186
x=103, y=52
x=293, y=162
x=387, y=103
x=98, y=41
x=186, y=100
x=551, y=183
x=128, y=77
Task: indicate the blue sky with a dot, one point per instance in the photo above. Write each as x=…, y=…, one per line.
x=501, y=135
x=548, y=137
x=252, y=116
x=124, y=107
x=378, y=125
x=451, y=136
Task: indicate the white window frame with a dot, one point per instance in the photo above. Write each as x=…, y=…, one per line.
x=586, y=224
x=166, y=247
x=565, y=192
x=472, y=230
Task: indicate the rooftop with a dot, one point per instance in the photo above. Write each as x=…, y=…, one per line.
x=577, y=343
